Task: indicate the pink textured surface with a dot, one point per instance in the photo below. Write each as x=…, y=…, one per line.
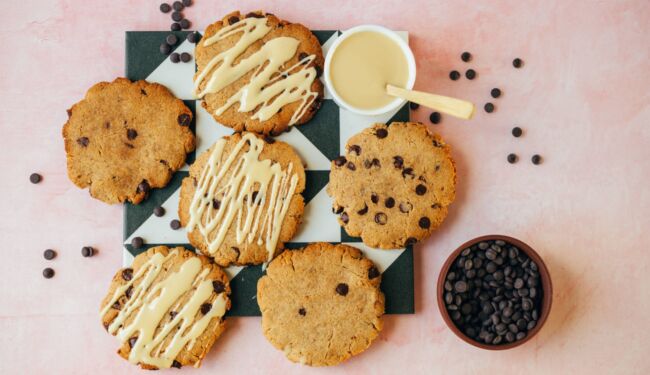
x=582, y=99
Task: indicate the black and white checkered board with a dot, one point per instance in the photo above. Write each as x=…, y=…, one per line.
x=317, y=142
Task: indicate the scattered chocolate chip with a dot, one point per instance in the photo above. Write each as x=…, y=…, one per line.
x=512, y=158
x=83, y=141
x=408, y=172
x=517, y=63
x=466, y=56
x=536, y=159
x=184, y=119
x=205, y=308
x=165, y=8
x=171, y=39
x=389, y=202
x=49, y=254
x=87, y=251
x=176, y=364
x=342, y=289
x=374, y=198
x=144, y=187
x=175, y=27
x=177, y=6
x=48, y=273
x=216, y=204
x=218, y=286
x=489, y=107
x=420, y=189
x=364, y=210
x=193, y=37
x=177, y=16
x=410, y=241
x=356, y=149
x=495, y=93
x=413, y=105
x=187, y=3
x=340, y=161
x=398, y=161
x=233, y=20
x=454, y=75
x=185, y=24
x=435, y=117
x=517, y=132
x=35, y=178
x=470, y=74
x=344, y=217
x=165, y=49
x=373, y=272
x=381, y=218
x=302, y=311
x=132, y=341
x=175, y=57
x=424, y=222
x=175, y=224
x=137, y=242
x=405, y=207
x=131, y=134
x=381, y=133
x=127, y=274
x=159, y=211
x=351, y=166
x=186, y=57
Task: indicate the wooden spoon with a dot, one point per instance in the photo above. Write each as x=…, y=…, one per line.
x=451, y=106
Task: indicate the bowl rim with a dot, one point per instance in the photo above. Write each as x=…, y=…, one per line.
x=408, y=54
x=545, y=278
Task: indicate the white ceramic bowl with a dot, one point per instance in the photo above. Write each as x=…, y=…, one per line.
x=408, y=54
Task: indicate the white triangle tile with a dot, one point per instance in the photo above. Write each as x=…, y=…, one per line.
x=177, y=77
x=232, y=271
x=156, y=229
x=309, y=153
x=127, y=258
x=352, y=123
x=382, y=258
x=208, y=130
x=319, y=224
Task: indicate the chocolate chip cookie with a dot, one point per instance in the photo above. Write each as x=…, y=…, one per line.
x=259, y=73
x=241, y=201
x=167, y=310
x=321, y=304
x=126, y=138
x=393, y=185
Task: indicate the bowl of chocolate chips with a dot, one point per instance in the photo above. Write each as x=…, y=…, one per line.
x=495, y=292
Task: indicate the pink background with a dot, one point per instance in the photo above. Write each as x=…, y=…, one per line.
x=582, y=99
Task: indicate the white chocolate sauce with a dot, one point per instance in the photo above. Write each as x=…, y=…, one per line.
x=155, y=301
x=258, y=219
x=271, y=86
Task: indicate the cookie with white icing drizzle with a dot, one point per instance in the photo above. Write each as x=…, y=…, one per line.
x=321, y=304
x=167, y=310
x=259, y=73
x=242, y=200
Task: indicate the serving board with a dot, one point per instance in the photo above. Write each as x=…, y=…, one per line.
x=317, y=143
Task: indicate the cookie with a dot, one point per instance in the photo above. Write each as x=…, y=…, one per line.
x=394, y=184
x=241, y=201
x=125, y=138
x=321, y=304
x=258, y=73
x=168, y=309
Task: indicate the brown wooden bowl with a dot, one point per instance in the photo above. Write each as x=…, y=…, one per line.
x=545, y=277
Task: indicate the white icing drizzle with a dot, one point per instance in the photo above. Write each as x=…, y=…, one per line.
x=257, y=219
x=267, y=90
x=154, y=301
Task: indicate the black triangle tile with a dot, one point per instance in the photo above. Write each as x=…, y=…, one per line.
x=316, y=181
x=323, y=35
x=244, y=292
x=143, y=54
x=402, y=115
x=397, y=284
x=323, y=130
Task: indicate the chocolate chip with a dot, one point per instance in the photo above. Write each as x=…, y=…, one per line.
x=186, y=57
x=127, y=274
x=116, y=305
x=351, y=166
x=470, y=74
x=185, y=24
x=340, y=161
x=373, y=272
x=435, y=117
x=344, y=217
x=177, y=6
x=488, y=107
x=165, y=8
x=367, y=164
x=337, y=210
x=159, y=211
x=87, y=251
x=364, y=210
x=233, y=20
x=177, y=16
x=218, y=286
x=356, y=149
x=176, y=364
x=187, y=3
x=35, y=178
x=342, y=289
x=408, y=172
x=536, y=159
x=454, y=75
x=175, y=57
x=137, y=242
x=410, y=241
x=381, y=218
x=193, y=37
x=398, y=161
x=420, y=189
x=129, y=292
x=436, y=206
x=83, y=141
x=184, y=119
x=466, y=56
x=517, y=63
x=171, y=39
x=48, y=273
x=143, y=187
x=216, y=204
x=319, y=71
x=175, y=224
x=131, y=134
x=405, y=207
x=302, y=56
x=512, y=158
x=389, y=202
x=175, y=27
x=374, y=198
x=424, y=222
x=302, y=311
x=132, y=341
x=381, y=133
x=517, y=132
x=269, y=140
x=165, y=49
x=495, y=93
x=49, y=254
x=205, y=308
x=254, y=15
x=413, y=105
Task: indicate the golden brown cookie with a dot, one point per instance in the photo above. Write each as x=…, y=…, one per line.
x=321, y=304
x=259, y=73
x=125, y=138
x=167, y=310
x=393, y=185
x=241, y=201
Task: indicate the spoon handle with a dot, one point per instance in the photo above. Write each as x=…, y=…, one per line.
x=451, y=106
